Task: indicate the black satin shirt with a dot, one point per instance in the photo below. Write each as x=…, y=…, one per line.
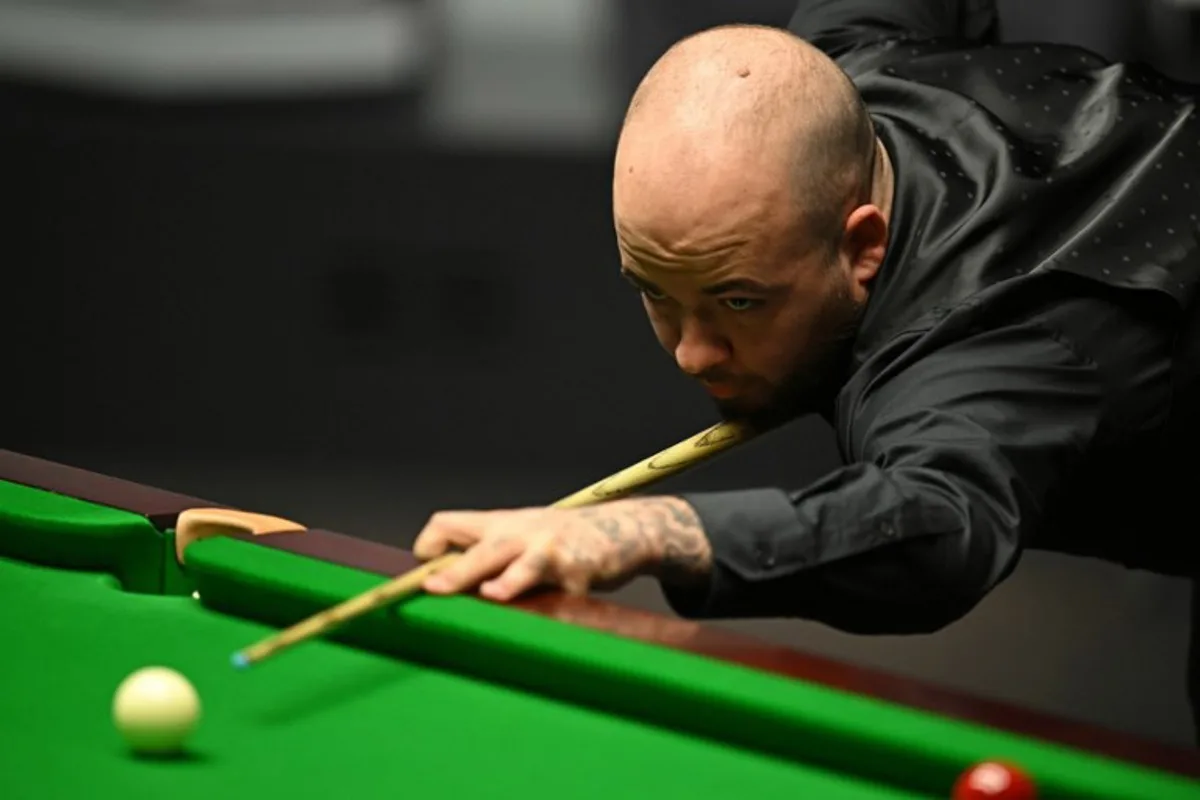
x=1024, y=373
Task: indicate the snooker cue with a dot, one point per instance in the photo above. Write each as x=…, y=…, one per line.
x=670, y=461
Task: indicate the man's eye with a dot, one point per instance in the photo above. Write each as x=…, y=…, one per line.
x=741, y=303
x=653, y=294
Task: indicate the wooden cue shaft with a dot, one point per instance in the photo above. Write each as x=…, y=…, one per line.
x=668, y=462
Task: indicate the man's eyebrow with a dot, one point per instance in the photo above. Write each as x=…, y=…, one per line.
x=724, y=287
x=739, y=285
x=637, y=280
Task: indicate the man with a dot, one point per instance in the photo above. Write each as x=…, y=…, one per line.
x=978, y=262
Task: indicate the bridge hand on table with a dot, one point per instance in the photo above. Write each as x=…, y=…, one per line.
x=509, y=552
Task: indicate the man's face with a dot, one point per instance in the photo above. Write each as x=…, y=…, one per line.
x=763, y=324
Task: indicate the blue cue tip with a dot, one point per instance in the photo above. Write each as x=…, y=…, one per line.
x=240, y=661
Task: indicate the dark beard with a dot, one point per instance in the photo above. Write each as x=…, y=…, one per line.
x=813, y=386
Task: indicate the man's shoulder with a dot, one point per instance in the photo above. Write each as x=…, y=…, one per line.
x=933, y=61
x=842, y=26
x=1050, y=306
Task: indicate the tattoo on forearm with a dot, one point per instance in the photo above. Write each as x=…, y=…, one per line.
x=663, y=534
x=686, y=555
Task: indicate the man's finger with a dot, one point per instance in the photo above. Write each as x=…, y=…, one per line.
x=528, y=571
x=577, y=584
x=448, y=529
x=474, y=566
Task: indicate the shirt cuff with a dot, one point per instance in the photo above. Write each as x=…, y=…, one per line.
x=753, y=534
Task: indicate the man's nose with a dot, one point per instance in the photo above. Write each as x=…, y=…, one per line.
x=699, y=349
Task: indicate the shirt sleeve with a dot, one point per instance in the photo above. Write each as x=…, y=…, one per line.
x=952, y=460
x=836, y=26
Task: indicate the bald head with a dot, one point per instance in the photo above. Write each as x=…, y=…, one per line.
x=751, y=216
x=742, y=128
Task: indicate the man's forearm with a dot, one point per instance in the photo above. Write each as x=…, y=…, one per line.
x=658, y=536
x=866, y=551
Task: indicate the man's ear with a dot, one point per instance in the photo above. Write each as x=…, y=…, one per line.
x=864, y=245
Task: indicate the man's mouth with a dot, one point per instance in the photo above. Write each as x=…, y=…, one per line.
x=721, y=391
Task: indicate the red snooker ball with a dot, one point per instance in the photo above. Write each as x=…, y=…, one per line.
x=992, y=780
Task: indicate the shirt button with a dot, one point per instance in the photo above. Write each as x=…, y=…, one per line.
x=887, y=529
x=765, y=556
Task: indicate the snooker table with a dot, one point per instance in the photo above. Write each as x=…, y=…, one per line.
x=452, y=696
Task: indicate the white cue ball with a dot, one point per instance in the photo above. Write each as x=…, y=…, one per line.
x=155, y=710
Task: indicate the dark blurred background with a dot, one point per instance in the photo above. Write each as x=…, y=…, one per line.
x=352, y=262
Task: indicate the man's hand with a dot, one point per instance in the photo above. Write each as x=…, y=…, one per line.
x=601, y=546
